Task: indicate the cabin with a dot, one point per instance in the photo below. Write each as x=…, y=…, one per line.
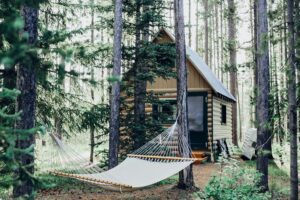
x=209, y=102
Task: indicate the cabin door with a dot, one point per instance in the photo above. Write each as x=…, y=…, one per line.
x=197, y=116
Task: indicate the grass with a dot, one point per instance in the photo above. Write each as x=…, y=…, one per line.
x=4, y=194
x=278, y=180
x=171, y=180
x=64, y=184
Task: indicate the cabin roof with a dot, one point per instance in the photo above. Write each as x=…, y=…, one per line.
x=203, y=69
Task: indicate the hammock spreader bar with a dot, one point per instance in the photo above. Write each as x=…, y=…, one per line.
x=162, y=157
x=76, y=176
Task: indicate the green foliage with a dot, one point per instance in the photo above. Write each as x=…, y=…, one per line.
x=14, y=50
x=96, y=119
x=145, y=61
x=235, y=182
x=278, y=179
x=68, y=67
x=8, y=150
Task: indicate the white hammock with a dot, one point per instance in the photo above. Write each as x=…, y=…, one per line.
x=153, y=162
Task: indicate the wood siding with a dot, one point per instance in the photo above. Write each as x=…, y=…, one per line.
x=222, y=130
x=195, y=81
x=210, y=120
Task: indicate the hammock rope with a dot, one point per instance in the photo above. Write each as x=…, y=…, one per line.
x=163, y=156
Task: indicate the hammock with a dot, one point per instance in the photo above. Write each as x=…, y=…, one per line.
x=155, y=161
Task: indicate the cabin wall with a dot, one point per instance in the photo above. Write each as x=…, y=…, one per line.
x=195, y=82
x=222, y=130
x=210, y=119
x=209, y=101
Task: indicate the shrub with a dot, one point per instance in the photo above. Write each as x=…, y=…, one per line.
x=235, y=182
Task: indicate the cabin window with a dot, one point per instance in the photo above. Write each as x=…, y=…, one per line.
x=223, y=114
x=165, y=111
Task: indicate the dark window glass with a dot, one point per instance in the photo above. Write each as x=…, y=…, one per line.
x=165, y=111
x=223, y=114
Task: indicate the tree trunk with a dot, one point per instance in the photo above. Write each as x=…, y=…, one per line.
x=185, y=176
x=233, y=67
x=263, y=90
x=26, y=83
x=254, y=42
x=213, y=39
x=280, y=131
x=292, y=110
x=197, y=26
x=222, y=43
x=205, y=3
x=297, y=40
x=114, y=123
x=92, y=140
x=217, y=41
x=140, y=86
x=190, y=25
x=239, y=102
x=58, y=127
x=92, y=129
x=210, y=38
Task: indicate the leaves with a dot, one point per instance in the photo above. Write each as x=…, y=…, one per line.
x=235, y=182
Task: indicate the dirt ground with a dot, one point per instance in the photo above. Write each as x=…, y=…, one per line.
x=202, y=174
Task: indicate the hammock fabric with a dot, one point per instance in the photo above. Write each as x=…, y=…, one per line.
x=155, y=161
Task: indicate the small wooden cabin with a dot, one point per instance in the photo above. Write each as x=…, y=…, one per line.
x=209, y=102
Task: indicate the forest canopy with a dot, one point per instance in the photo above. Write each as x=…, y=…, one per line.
x=89, y=86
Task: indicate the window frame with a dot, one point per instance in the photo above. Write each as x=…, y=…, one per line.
x=223, y=114
x=156, y=110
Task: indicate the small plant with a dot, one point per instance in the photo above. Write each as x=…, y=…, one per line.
x=233, y=183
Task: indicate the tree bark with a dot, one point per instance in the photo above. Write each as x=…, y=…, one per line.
x=233, y=67
x=197, y=26
x=297, y=40
x=92, y=141
x=217, y=41
x=292, y=110
x=263, y=90
x=140, y=86
x=26, y=83
x=114, y=123
x=189, y=25
x=222, y=43
x=92, y=129
x=205, y=3
x=253, y=39
x=185, y=176
x=58, y=127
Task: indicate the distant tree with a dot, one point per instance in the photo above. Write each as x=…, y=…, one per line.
x=190, y=23
x=232, y=64
x=292, y=110
x=114, y=123
x=186, y=176
x=92, y=128
x=206, y=16
x=221, y=40
x=263, y=90
x=197, y=26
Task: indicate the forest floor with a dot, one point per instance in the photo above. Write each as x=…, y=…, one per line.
x=69, y=189
x=166, y=189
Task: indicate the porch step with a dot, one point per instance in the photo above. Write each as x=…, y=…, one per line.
x=198, y=154
x=201, y=155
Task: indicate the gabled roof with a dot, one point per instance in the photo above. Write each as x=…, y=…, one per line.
x=203, y=69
